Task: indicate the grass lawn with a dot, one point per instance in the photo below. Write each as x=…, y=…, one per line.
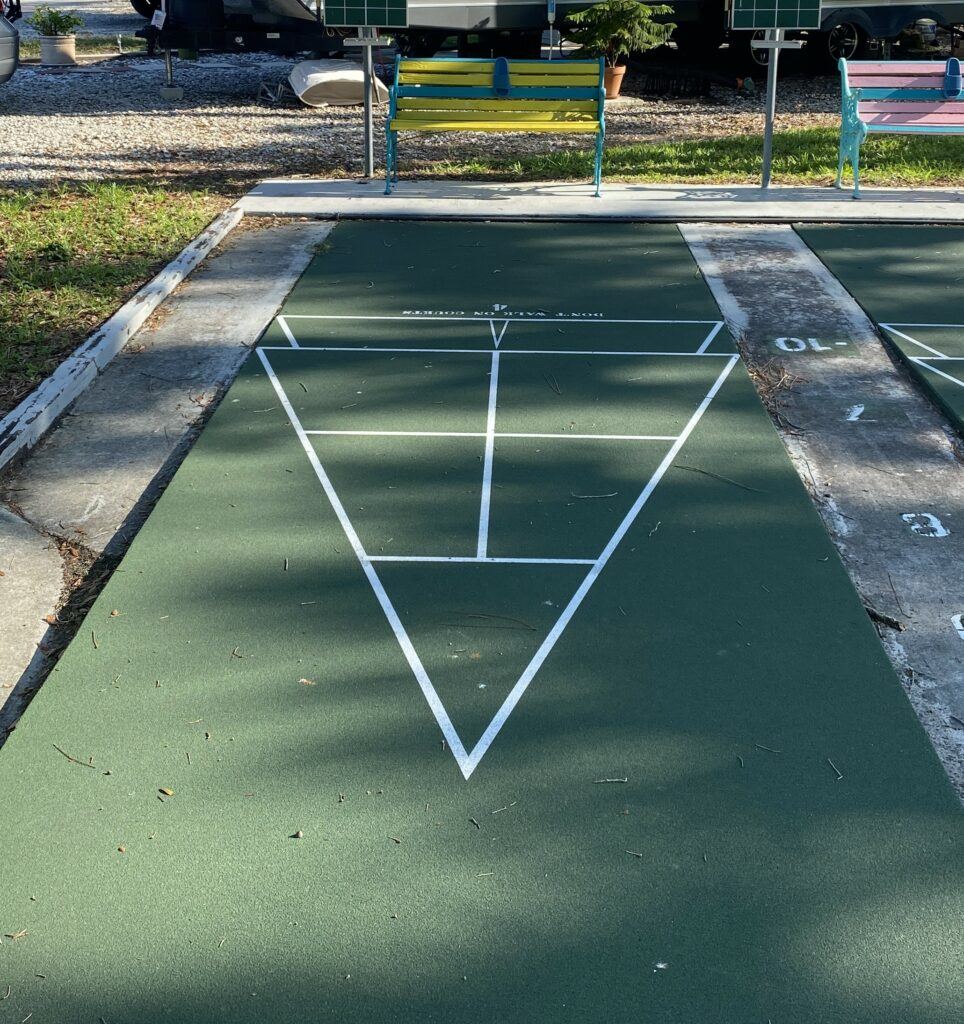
x=804, y=157
x=30, y=47
x=70, y=257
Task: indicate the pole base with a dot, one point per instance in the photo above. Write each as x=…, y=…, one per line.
x=172, y=92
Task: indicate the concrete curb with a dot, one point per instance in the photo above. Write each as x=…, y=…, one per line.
x=24, y=426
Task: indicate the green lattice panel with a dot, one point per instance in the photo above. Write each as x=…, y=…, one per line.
x=367, y=13
x=755, y=14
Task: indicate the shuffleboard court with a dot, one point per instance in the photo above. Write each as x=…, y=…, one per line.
x=908, y=279
x=485, y=661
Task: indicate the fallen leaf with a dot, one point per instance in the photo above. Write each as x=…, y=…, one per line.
x=165, y=791
x=307, y=682
x=16, y=935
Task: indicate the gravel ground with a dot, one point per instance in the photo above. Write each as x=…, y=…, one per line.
x=107, y=121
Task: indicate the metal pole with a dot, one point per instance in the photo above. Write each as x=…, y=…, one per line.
x=369, y=72
x=168, y=69
x=775, y=35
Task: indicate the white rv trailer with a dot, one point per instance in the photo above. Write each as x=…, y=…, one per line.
x=508, y=27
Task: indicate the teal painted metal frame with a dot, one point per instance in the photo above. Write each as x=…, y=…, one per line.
x=853, y=130
x=482, y=93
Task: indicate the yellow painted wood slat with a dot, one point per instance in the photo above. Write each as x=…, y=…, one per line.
x=585, y=81
x=515, y=67
x=418, y=78
x=558, y=116
x=399, y=124
x=477, y=78
x=428, y=103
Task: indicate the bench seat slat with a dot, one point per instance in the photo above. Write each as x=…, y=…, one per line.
x=554, y=116
x=418, y=103
x=493, y=126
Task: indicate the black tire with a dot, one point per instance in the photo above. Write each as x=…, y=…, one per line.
x=420, y=44
x=146, y=8
x=843, y=40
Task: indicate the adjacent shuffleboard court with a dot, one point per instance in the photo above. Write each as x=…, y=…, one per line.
x=909, y=281
x=485, y=661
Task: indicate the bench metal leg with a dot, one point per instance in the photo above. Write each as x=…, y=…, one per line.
x=389, y=148
x=855, y=162
x=597, y=175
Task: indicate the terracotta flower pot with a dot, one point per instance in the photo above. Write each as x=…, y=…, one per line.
x=614, y=81
x=58, y=50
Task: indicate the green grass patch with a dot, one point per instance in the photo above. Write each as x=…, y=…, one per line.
x=30, y=47
x=805, y=157
x=70, y=257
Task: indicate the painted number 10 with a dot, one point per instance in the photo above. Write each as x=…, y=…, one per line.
x=801, y=345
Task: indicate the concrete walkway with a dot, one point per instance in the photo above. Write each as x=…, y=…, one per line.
x=574, y=201
x=89, y=485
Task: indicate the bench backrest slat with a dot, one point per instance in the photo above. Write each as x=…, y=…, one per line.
x=464, y=92
x=421, y=102
x=907, y=93
x=472, y=84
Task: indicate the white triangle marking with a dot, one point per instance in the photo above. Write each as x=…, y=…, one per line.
x=497, y=338
x=468, y=761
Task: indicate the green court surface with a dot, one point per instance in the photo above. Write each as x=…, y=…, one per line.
x=500, y=591
x=909, y=281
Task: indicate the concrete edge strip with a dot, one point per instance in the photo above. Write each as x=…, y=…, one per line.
x=25, y=425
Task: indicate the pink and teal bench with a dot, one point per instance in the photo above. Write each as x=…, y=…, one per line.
x=896, y=96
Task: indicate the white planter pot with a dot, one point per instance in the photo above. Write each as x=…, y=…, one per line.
x=58, y=49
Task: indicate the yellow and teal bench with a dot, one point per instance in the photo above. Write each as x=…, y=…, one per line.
x=442, y=94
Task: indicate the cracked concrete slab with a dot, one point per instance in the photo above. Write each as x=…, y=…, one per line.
x=31, y=582
x=88, y=480
x=95, y=477
x=878, y=457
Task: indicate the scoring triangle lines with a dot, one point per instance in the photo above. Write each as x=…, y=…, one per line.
x=468, y=758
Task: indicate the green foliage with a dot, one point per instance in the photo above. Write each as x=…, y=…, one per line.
x=615, y=28
x=50, y=22
x=69, y=257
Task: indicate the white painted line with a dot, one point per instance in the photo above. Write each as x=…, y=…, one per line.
x=498, y=434
x=286, y=330
x=913, y=341
x=366, y=350
x=597, y=437
x=397, y=433
x=485, y=319
x=940, y=373
x=959, y=326
x=497, y=338
x=478, y=751
x=425, y=684
x=708, y=340
x=489, y=455
x=488, y=560
x=23, y=426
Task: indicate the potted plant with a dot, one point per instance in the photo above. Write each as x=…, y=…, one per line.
x=56, y=31
x=614, y=28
